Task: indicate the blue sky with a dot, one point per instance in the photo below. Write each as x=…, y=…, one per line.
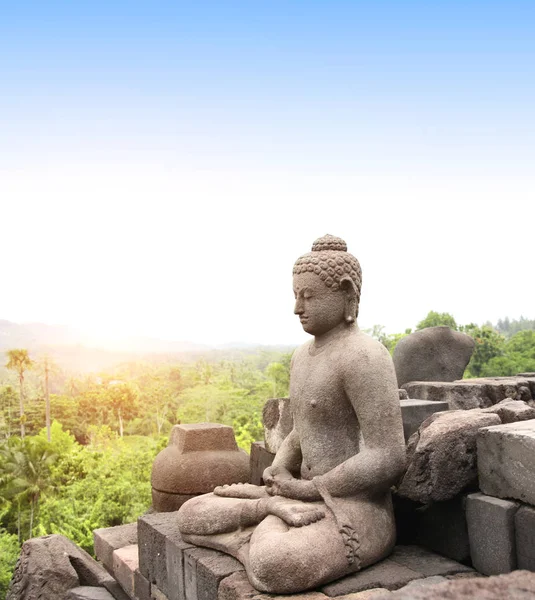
x=144, y=127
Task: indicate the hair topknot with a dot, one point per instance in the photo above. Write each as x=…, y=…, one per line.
x=331, y=262
x=329, y=242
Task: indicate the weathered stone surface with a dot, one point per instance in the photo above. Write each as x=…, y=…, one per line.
x=491, y=531
x=441, y=456
x=153, y=532
x=174, y=551
x=51, y=565
x=442, y=527
x=427, y=563
x=426, y=581
x=278, y=422
x=432, y=354
x=261, y=459
x=141, y=586
x=165, y=502
x=403, y=394
x=343, y=391
x=125, y=563
x=375, y=593
x=211, y=569
x=199, y=457
x=519, y=585
x=415, y=412
x=191, y=558
x=506, y=461
x=386, y=574
x=236, y=587
x=511, y=411
x=525, y=537
x=157, y=594
x=473, y=393
x=108, y=539
x=86, y=592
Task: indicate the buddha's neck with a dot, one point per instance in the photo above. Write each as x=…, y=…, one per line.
x=325, y=338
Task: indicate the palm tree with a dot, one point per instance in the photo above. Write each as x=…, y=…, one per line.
x=19, y=361
x=47, y=367
x=27, y=468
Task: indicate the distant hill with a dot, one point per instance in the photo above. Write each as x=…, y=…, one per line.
x=74, y=351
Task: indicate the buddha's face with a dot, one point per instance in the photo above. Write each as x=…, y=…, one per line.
x=320, y=309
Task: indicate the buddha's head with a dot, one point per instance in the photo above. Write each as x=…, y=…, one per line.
x=327, y=285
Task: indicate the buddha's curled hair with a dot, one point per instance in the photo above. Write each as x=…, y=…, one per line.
x=331, y=261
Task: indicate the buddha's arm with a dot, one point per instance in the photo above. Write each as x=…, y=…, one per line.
x=288, y=458
x=372, y=390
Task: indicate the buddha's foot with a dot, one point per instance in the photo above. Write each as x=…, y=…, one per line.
x=294, y=512
x=240, y=490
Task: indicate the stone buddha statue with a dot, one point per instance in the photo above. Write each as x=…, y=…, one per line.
x=325, y=510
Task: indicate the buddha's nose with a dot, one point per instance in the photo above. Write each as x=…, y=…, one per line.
x=299, y=308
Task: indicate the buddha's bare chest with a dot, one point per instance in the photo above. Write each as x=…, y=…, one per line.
x=316, y=389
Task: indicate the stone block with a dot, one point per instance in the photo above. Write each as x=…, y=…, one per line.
x=511, y=411
x=375, y=594
x=108, y=539
x=260, y=459
x=473, y=393
x=236, y=587
x=518, y=585
x=278, y=422
x=157, y=594
x=442, y=527
x=174, y=555
x=506, y=460
x=525, y=537
x=428, y=563
x=432, y=354
x=141, y=586
x=125, y=563
x=86, y=592
x=192, y=556
x=210, y=570
x=426, y=581
x=441, y=457
x=491, y=531
x=385, y=574
x=153, y=531
x=415, y=412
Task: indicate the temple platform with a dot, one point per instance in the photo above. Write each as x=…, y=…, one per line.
x=160, y=566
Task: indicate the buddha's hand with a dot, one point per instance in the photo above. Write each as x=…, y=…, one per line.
x=297, y=489
x=274, y=472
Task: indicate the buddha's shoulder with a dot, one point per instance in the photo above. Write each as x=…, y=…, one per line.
x=360, y=346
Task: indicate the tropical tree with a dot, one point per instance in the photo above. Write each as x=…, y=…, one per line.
x=19, y=360
x=488, y=345
x=27, y=466
x=435, y=319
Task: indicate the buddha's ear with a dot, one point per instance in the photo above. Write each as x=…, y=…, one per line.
x=348, y=287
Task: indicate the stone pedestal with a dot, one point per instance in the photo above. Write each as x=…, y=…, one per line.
x=199, y=457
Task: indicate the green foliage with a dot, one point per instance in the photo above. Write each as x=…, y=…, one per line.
x=9, y=552
x=435, y=319
x=390, y=341
x=489, y=344
x=509, y=327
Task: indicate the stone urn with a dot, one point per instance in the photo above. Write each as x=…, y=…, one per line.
x=199, y=457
